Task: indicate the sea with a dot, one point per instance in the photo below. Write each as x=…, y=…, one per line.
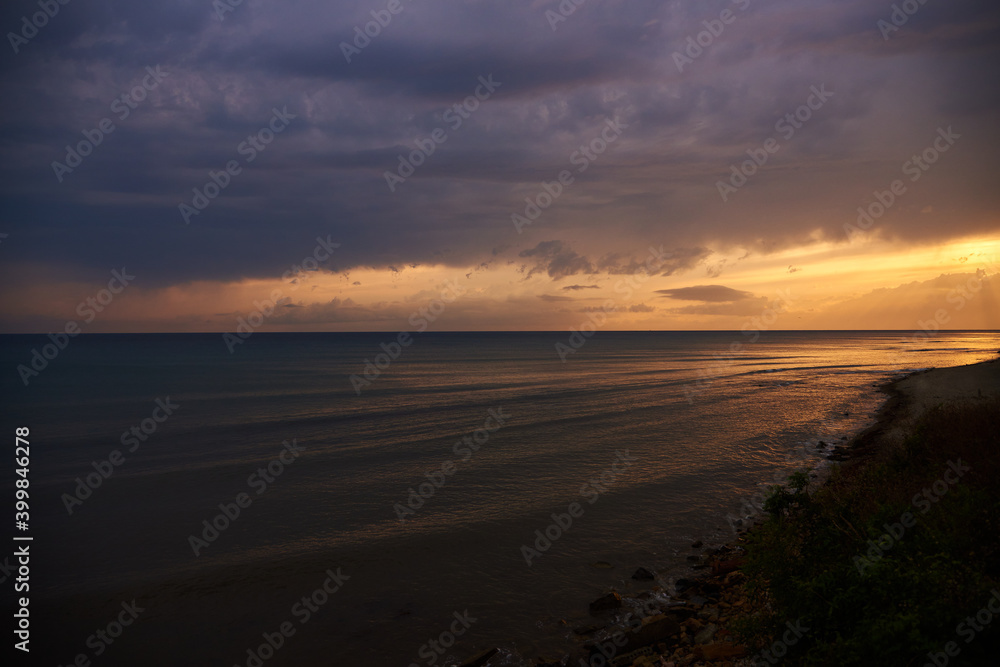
x=341, y=499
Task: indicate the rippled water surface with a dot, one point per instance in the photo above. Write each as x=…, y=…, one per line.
x=700, y=423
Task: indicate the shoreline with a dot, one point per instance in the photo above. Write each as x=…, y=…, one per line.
x=691, y=625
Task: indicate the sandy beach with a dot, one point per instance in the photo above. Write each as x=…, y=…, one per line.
x=923, y=391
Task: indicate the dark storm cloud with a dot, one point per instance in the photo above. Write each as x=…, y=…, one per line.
x=557, y=260
x=325, y=174
x=670, y=262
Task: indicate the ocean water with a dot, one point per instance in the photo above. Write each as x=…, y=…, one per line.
x=658, y=438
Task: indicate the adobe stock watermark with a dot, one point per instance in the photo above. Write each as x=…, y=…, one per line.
x=255, y=319
x=420, y=320
x=465, y=448
x=103, y=638
x=104, y=469
x=915, y=168
x=959, y=297
x=22, y=616
x=88, y=309
x=779, y=649
x=123, y=106
x=603, y=653
x=753, y=505
x=591, y=491
x=223, y=7
x=923, y=501
x=303, y=611
x=566, y=8
x=246, y=326
x=31, y=26
x=259, y=481
x=801, y=457
x=581, y=158
x=968, y=629
x=626, y=286
x=786, y=127
x=696, y=45
x=899, y=17
x=363, y=37
x=455, y=116
x=249, y=148
x=752, y=328
x=435, y=648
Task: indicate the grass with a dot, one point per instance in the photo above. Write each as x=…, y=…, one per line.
x=813, y=558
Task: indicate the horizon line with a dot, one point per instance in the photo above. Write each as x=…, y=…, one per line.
x=504, y=331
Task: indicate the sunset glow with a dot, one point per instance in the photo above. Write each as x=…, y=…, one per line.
x=859, y=179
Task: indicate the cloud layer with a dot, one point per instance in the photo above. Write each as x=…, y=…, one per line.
x=534, y=142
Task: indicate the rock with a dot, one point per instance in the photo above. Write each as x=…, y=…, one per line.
x=682, y=612
x=659, y=628
x=693, y=625
x=708, y=588
x=603, y=565
x=839, y=453
x=681, y=585
x=719, y=651
x=706, y=634
x=696, y=544
x=709, y=613
x=727, y=566
x=642, y=574
x=735, y=577
x=610, y=601
x=480, y=659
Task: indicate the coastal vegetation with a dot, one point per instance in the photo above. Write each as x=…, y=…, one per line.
x=895, y=560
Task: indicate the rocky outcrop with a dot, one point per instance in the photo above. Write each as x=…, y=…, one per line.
x=606, y=603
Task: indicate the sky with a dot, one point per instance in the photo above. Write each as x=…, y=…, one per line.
x=408, y=165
